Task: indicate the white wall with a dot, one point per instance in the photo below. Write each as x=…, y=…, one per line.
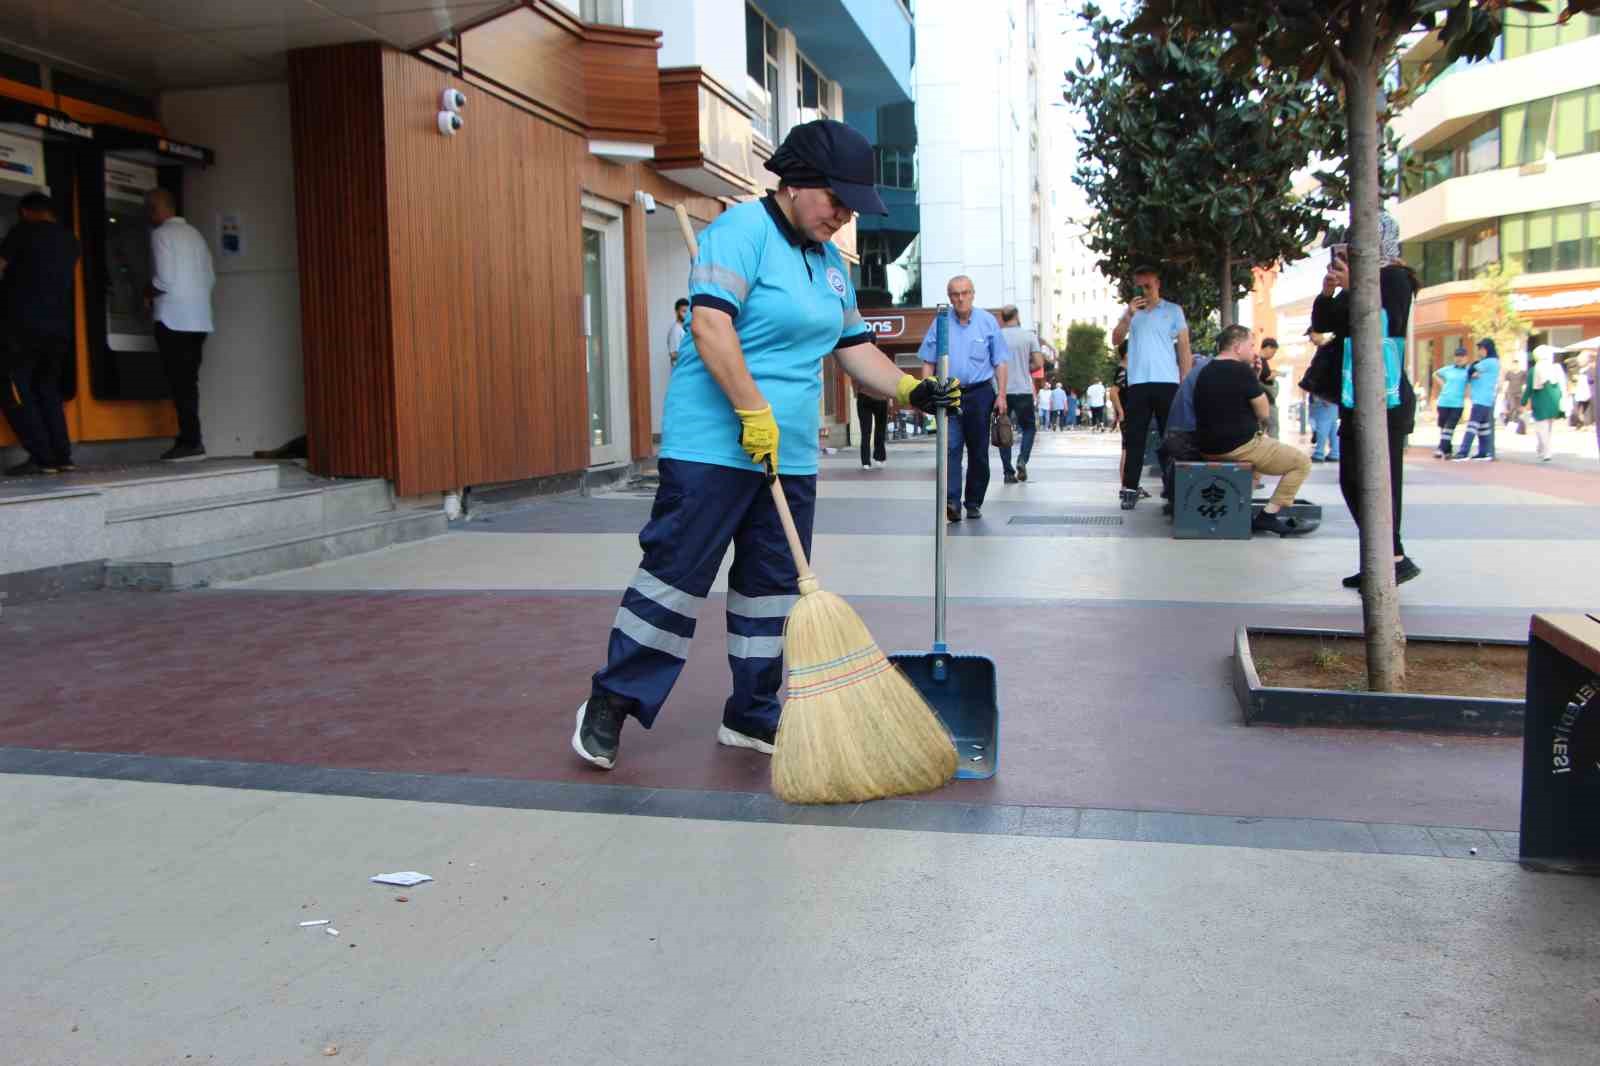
x=697, y=33
x=252, y=388
x=667, y=277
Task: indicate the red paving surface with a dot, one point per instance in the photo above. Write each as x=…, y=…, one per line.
x=1118, y=706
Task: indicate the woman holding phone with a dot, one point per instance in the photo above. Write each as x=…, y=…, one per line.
x=1330, y=313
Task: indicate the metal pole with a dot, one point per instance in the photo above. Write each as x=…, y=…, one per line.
x=942, y=466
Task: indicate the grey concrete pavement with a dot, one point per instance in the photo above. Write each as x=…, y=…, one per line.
x=152, y=923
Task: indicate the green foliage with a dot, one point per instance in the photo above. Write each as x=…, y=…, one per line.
x=1494, y=316
x=1083, y=357
x=1183, y=159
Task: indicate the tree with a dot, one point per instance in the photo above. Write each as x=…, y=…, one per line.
x=1494, y=316
x=1083, y=358
x=1191, y=165
x=1348, y=45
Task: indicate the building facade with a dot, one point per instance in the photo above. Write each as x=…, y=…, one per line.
x=444, y=311
x=982, y=154
x=1509, y=149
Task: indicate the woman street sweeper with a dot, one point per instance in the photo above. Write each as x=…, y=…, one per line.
x=770, y=298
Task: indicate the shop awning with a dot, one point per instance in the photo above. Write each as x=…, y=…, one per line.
x=149, y=148
x=1589, y=345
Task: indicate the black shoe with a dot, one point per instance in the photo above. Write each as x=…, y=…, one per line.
x=1011, y=479
x=183, y=453
x=973, y=512
x=1022, y=471
x=599, y=729
x=66, y=466
x=1277, y=523
x=1404, y=571
x=1130, y=499
x=30, y=469
x=1144, y=494
x=952, y=512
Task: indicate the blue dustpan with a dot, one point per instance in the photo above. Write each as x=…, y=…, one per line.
x=961, y=689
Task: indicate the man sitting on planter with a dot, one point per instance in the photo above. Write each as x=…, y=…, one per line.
x=1231, y=414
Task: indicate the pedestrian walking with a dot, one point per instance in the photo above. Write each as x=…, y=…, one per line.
x=1582, y=392
x=978, y=360
x=37, y=257
x=873, y=415
x=1058, y=406
x=1330, y=313
x=1269, y=382
x=1324, y=420
x=1158, y=358
x=770, y=299
x=1452, y=398
x=675, y=332
x=1511, y=395
x=1072, y=409
x=1543, y=393
x=1095, y=397
x=1023, y=356
x=180, y=290
x=1483, y=380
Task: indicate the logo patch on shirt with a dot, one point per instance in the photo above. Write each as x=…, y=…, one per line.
x=836, y=281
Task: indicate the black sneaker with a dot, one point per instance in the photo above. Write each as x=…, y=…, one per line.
x=183, y=453
x=1022, y=471
x=1130, y=499
x=1404, y=571
x=66, y=466
x=755, y=739
x=30, y=469
x=1277, y=523
x=1011, y=479
x=599, y=729
x=952, y=512
x=974, y=512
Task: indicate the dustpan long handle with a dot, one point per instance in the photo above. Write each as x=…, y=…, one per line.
x=941, y=495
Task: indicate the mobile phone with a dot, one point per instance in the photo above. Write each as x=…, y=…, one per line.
x=1341, y=253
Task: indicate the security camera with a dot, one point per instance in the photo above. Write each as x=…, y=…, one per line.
x=452, y=100
x=646, y=201
x=449, y=123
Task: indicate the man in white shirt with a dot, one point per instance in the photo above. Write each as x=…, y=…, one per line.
x=180, y=289
x=1095, y=396
x=680, y=311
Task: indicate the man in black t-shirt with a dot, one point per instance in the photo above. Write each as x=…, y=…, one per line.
x=1231, y=412
x=36, y=299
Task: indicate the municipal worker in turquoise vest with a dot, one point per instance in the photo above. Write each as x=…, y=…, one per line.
x=770, y=299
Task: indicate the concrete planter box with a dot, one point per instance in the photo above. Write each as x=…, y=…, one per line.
x=1266, y=705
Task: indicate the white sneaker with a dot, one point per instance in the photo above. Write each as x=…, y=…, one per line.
x=866, y=466
x=732, y=738
x=880, y=462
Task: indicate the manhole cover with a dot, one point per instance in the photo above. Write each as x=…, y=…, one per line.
x=1066, y=520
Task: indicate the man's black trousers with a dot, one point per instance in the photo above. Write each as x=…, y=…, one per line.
x=874, y=418
x=180, y=357
x=34, y=368
x=1141, y=403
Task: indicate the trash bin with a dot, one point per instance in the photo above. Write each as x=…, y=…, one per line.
x=1561, y=745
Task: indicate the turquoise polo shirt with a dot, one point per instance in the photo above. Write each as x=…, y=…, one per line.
x=976, y=348
x=1452, y=386
x=792, y=304
x=1485, y=378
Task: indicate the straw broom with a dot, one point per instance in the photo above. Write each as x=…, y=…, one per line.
x=853, y=727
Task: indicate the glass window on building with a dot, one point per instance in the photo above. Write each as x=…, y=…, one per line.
x=1483, y=248
x=1482, y=149
x=1569, y=238
x=1528, y=32
x=897, y=167
x=761, y=71
x=1525, y=132
x=604, y=12
x=1591, y=235
x=813, y=93
x=1570, y=122
x=1513, y=244
x=1541, y=242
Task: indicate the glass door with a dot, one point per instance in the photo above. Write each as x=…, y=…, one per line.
x=604, y=304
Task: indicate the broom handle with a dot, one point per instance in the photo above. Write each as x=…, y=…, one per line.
x=779, y=500
x=941, y=327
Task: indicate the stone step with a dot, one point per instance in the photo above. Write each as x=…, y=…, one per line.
x=291, y=548
x=187, y=481
x=145, y=530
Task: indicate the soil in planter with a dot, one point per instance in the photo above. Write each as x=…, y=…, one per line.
x=1494, y=671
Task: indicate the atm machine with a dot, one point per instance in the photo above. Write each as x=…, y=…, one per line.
x=123, y=361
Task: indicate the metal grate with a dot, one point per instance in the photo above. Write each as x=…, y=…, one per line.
x=1065, y=520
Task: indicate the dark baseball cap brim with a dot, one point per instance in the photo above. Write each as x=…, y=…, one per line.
x=862, y=199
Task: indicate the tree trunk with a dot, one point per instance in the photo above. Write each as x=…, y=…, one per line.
x=1228, y=310
x=1380, y=602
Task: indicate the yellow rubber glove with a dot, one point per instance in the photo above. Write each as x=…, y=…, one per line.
x=929, y=394
x=759, y=436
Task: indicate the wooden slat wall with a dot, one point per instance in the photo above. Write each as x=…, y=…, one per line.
x=535, y=53
x=622, y=84
x=336, y=100
x=486, y=271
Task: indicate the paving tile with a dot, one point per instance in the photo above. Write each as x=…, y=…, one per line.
x=1109, y=825
x=1050, y=821
x=820, y=814
x=1173, y=828
x=1510, y=844
x=696, y=803
x=1465, y=843
x=1404, y=840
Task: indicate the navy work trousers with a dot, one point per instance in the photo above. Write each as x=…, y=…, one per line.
x=969, y=431
x=700, y=509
